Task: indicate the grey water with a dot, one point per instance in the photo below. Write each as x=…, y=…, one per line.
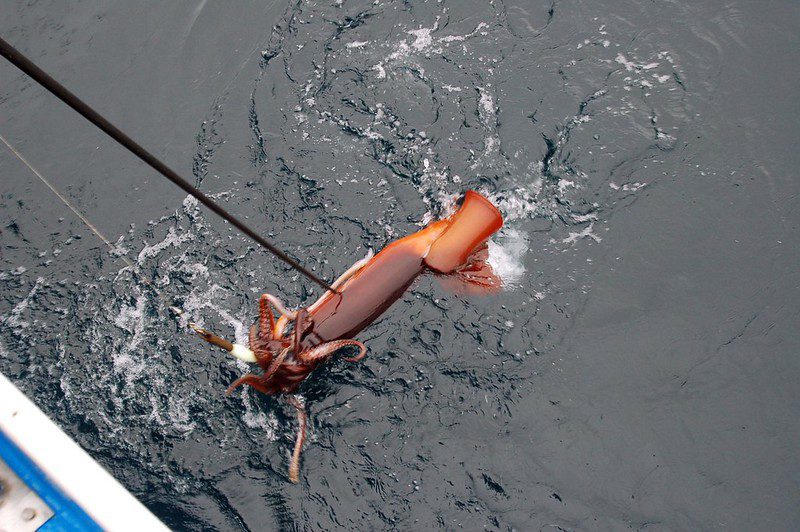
x=640, y=368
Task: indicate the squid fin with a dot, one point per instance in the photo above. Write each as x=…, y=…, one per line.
x=475, y=278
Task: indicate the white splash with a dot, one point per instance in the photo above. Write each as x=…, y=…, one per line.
x=487, y=108
x=586, y=233
x=132, y=320
x=629, y=65
x=423, y=37
x=422, y=42
x=425, y=44
x=205, y=299
x=15, y=320
x=519, y=201
x=563, y=184
x=173, y=239
x=506, y=254
x=266, y=423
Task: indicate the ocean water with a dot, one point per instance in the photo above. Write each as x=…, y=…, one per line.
x=639, y=368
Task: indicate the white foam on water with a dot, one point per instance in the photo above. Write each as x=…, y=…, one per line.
x=423, y=37
x=487, y=111
x=173, y=239
x=176, y=414
x=629, y=65
x=585, y=233
x=132, y=320
x=563, y=184
x=14, y=320
x=507, y=252
x=425, y=44
x=580, y=218
x=459, y=38
x=422, y=41
x=205, y=298
x=134, y=369
x=519, y=201
x=642, y=68
x=633, y=186
x=254, y=418
x=486, y=108
x=380, y=70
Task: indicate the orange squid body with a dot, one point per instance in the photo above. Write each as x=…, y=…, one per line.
x=443, y=247
x=450, y=247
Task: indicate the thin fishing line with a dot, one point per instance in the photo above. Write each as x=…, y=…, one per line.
x=174, y=308
x=63, y=199
x=62, y=93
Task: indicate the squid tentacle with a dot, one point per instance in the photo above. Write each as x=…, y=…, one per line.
x=323, y=351
x=280, y=326
x=253, y=337
x=266, y=318
x=263, y=358
x=276, y=363
x=302, y=422
x=291, y=314
x=352, y=270
x=301, y=323
x=251, y=380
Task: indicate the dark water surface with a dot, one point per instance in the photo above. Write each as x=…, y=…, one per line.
x=641, y=368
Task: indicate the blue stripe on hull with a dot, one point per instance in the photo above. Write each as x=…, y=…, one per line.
x=68, y=515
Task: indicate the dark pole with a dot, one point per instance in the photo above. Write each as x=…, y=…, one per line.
x=61, y=92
